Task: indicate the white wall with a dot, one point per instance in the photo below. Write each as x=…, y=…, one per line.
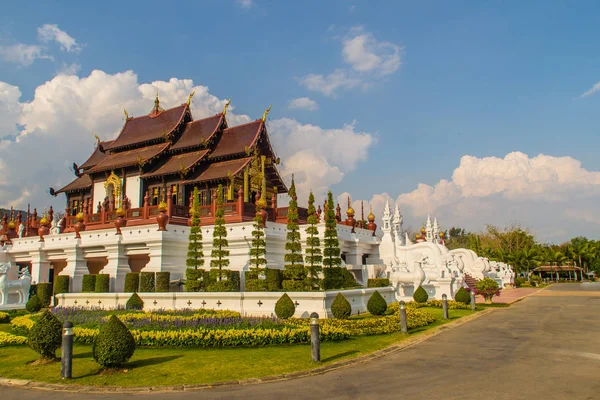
x=132, y=190
x=99, y=194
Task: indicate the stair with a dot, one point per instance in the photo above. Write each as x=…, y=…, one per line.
x=470, y=281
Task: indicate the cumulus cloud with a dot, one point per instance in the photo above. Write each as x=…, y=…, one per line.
x=49, y=32
x=303, y=103
x=368, y=59
x=67, y=111
x=245, y=3
x=592, y=90
x=23, y=54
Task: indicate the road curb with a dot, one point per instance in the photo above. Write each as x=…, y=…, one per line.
x=33, y=385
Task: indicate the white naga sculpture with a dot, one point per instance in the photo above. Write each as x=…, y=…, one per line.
x=20, y=286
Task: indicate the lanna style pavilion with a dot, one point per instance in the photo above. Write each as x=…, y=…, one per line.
x=558, y=272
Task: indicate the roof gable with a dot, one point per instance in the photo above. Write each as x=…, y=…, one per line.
x=237, y=139
x=198, y=132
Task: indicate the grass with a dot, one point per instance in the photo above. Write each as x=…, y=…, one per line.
x=179, y=366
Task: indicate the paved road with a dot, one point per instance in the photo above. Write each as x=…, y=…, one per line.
x=545, y=347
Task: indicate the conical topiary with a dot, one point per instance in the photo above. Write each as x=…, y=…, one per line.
x=114, y=345
x=463, y=296
x=377, y=304
x=285, y=308
x=420, y=295
x=135, y=302
x=341, y=308
x=45, y=335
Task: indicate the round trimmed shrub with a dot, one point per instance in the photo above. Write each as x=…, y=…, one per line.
x=420, y=295
x=163, y=281
x=33, y=304
x=135, y=302
x=377, y=304
x=88, y=284
x=463, y=296
x=44, y=337
x=221, y=286
x=61, y=284
x=341, y=308
x=285, y=308
x=132, y=282
x=147, y=282
x=102, y=283
x=44, y=293
x=114, y=344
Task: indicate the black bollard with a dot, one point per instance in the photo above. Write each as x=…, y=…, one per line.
x=315, y=339
x=66, y=360
x=473, y=305
x=445, y=306
x=403, y=324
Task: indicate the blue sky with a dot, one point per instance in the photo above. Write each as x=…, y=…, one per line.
x=478, y=78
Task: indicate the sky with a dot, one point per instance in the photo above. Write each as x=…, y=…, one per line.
x=476, y=112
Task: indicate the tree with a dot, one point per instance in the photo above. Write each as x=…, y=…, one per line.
x=313, y=257
x=219, y=255
x=195, y=255
x=258, y=250
x=331, y=251
x=294, y=267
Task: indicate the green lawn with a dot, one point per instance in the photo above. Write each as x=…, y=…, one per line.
x=177, y=366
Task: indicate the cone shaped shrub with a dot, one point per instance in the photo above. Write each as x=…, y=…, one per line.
x=420, y=295
x=285, y=308
x=135, y=302
x=44, y=337
x=33, y=304
x=377, y=304
x=114, y=345
x=341, y=308
x=463, y=296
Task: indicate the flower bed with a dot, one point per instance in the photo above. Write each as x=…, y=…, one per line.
x=8, y=339
x=452, y=305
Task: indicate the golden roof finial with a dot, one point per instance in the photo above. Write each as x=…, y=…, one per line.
x=97, y=138
x=126, y=113
x=264, y=117
x=226, y=106
x=190, y=97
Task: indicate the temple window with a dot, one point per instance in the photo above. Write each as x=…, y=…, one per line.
x=74, y=207
x=155, y=196
x=174, y=194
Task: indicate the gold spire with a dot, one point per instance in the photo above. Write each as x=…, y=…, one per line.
x=97, y=139
x=350, y=211
x=126, y=113
x=226, y=106
x=264, y=117
x=371, y=216
x=190, y=97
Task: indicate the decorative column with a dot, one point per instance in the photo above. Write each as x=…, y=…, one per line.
x=246, y=189
x=76, y=267
x=118, y=265
x=40, y=265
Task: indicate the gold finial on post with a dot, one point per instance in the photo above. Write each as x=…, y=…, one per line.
x=126, y=114
x=264, y=117
x=226, y=106
x=190, y=97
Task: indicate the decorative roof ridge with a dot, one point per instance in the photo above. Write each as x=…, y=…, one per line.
x=247, y=123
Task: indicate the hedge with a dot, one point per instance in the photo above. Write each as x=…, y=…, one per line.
x=44, y=293
x=61, y=284
x=274, y=278
x=256, y=285
x=194, y=280
x=338, y=278
x=102, y=283
x=147, y=282
x=132, y=282
x=88, y=284
x=378, y=282
x=34, y=304
x=163, y=280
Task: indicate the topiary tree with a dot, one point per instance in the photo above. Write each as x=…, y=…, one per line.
x=44, y=293
x=341, y=308
x=102, y=283
x=377, y=304
x=132, y=282
x=420, y=295
x=194, y=280
x=273, y=279
x=88, y=284
x=61, y=284
x=45, y=336
x=313, y=257
x=294, y=272
x=33, y=304
x=219, y=255
x=331, y=251
x=135, y=302
x=488, y=288
x=147, y=282
x=195, y=254
x=462, y=296
x=163, y=281
x=114, y=345
x=285, y=308
x=257, y=256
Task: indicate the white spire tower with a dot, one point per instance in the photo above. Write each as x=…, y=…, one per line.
x=428, y=230
x=436, y=231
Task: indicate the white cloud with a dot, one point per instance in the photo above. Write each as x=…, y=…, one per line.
x=328, y=85
x=303, y=103
x=69, y=69
x=592, y=90
x=23, y=54
x=368, y=60
x=66, y=111
x=51, y=32
x=365, y=54
x=245, y=3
